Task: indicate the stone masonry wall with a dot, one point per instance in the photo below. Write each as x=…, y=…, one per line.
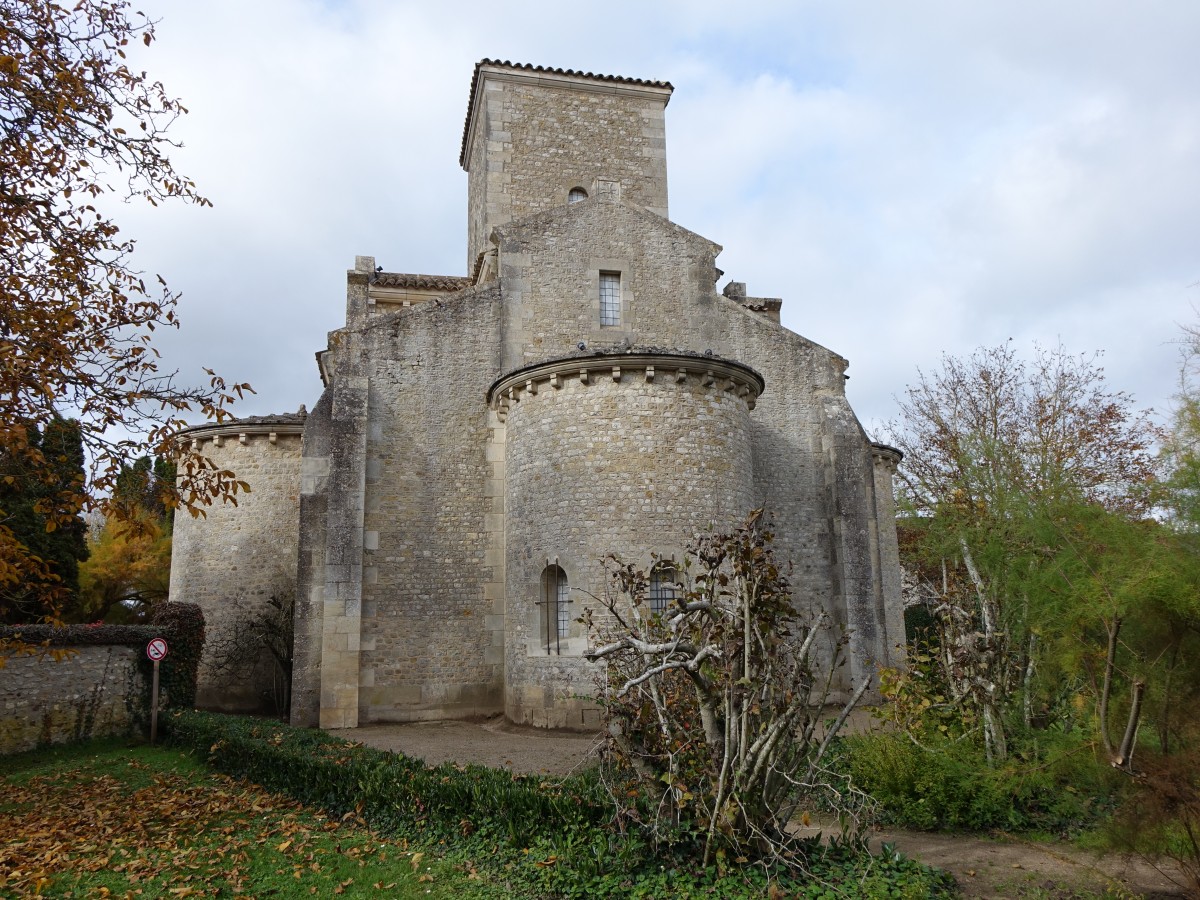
x=620, y=464
x=534, y=142
x=814, y=471
x=432, y=615
x=308, y=634
x=234, y=559
x=811, y=460
x=87, y=694
x=891, y=607
x=550, y=269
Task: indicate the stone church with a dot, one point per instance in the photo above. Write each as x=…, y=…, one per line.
x=483, y=441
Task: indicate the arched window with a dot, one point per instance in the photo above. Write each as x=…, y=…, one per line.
x=556, y=609
x=662, y=588
x=576, y=194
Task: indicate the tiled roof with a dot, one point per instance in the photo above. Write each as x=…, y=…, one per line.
x=448, y=283
x=528, y=67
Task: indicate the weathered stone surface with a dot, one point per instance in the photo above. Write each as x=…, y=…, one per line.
x=92, y=692
x=532, y=137
x=234, y=559
x=616, y=464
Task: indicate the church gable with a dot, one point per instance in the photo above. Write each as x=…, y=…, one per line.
x=602, y=273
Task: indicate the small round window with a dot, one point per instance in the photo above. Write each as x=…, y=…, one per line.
x=576, y=195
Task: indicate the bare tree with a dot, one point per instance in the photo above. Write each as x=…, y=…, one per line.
x=713, y=704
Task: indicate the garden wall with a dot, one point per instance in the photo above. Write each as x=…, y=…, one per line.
x=85, y=681
x=94, y=691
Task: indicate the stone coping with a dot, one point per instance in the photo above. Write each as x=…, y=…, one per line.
x=886, y=453
x=526, y=72
x=243, y=429
x=672, y=367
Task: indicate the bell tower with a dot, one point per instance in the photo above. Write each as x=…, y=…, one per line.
x=536, y=138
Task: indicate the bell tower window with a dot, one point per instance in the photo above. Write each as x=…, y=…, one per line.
x=576, y=194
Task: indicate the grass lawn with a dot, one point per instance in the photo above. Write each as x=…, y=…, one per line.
x=114, y=820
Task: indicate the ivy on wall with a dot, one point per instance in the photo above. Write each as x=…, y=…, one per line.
x=182, y=624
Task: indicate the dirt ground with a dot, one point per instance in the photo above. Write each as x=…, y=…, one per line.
x=984, y=867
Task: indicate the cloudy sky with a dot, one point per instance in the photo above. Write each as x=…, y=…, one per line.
x=911, y=178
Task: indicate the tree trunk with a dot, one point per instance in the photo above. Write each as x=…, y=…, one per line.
x=1124, y=757
x=1110, y=661
x=1027, y=683
x=1164, y=718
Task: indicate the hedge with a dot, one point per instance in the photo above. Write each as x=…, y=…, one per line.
x=389, y=790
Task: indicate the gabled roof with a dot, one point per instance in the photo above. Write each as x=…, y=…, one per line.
x=547, y=70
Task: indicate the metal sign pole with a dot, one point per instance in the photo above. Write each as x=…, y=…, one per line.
x=154, y=704
x=156, y=650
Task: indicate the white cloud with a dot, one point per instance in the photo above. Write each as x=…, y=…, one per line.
x=910, y=178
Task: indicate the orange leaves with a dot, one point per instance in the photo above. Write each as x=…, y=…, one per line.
x=122, y=830
x=76, y=313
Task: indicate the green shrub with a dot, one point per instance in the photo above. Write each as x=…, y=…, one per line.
x=1053, y=784
x=182, y=624
x=624, y=866
x=79, y=635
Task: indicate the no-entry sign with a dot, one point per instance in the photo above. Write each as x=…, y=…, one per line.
x=156, y=649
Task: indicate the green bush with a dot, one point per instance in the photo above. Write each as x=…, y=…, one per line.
x=827, y=874
x=1053, y=784
x=182, y=624
x=79, y=635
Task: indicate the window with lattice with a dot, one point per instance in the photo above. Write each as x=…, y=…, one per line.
x=556, y=609
x=663, y=588
x=610, y=298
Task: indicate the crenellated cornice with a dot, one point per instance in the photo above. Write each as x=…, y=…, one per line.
x=652, y=367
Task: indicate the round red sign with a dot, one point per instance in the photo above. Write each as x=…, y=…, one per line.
x=156, y=649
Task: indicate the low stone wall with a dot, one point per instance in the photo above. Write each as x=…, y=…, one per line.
x=94, y=691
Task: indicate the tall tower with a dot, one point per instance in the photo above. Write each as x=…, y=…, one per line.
x=534, y=135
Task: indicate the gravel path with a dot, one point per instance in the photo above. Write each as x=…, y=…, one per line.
x=493, y=742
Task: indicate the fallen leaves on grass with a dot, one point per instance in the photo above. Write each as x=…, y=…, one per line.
x=174, y=837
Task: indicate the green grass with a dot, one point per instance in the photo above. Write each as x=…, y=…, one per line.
x=110, y=819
